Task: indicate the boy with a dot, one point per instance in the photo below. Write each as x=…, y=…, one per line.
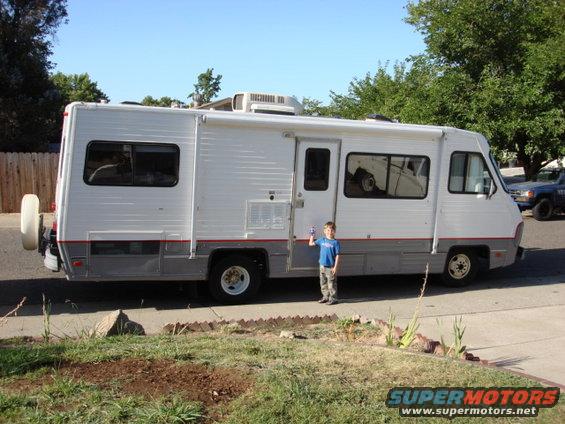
x=329, y=262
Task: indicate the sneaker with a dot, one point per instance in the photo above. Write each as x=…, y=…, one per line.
x=332, y=301
x=323, y=300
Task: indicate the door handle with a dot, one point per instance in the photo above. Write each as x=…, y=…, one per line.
x=299, y=203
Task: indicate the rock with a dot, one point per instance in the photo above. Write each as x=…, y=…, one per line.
x=423, y=344
x=439, y=350
x=287, y=335
x=356, y=318
x=117, y=323
x=364, y=320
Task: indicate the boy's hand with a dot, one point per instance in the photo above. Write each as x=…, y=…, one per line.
x=334, y=270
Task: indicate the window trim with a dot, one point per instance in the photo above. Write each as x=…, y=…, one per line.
x=388, y=155
x=465, y=173
x=132, y=144
x=306, y=165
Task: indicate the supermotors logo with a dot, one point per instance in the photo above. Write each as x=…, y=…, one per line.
x=471, y=401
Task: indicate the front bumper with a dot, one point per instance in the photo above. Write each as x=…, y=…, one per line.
x=523, y=203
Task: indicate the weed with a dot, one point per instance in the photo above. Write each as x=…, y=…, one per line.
x=46, y=308
x=409, y=333
x=4, y=320
x=347, y=328
x=389, y=338
x=172, y=410
x=457, y=348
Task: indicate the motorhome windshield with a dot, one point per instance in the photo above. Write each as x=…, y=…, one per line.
x=498, y=174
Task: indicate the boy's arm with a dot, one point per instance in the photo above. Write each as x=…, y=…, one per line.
x=336, y=266
x=311, y=241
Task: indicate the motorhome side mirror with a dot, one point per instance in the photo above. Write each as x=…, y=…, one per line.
x=491, y=189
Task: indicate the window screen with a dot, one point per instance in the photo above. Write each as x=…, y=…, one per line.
x=373, y=176
x=317, y=169
x=469, y=174
x=122, y=164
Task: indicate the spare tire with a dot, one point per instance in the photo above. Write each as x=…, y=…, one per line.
x=29, y=225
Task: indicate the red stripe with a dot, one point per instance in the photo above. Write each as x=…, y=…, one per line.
x=298, y=240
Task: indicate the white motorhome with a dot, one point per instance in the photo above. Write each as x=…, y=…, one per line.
x=148, y=193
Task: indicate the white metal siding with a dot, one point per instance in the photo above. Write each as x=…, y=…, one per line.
x=114, y=209
x=237, y=165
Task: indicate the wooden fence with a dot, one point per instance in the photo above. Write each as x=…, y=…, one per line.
x=22, y=173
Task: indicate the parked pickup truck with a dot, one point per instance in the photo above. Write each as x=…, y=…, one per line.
x=544, y=197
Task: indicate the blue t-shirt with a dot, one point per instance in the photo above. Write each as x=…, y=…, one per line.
x=329, y=249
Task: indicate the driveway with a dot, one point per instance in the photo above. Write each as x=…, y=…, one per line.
x=514, y=317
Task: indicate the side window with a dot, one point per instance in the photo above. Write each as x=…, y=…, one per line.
x=156, y=165
x=376, y=176
x=127, y=164
x=316, y=169
x=366, y=175
x=108, y=164
x=469, y=174
x=408, y=176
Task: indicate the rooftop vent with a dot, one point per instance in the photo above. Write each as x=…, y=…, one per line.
x=378, y=117
x=266, y=103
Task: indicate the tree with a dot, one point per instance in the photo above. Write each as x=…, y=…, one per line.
x=77, y=88
x=509, y=55
x=29, y=102
x=162, y=102
x=207, y=86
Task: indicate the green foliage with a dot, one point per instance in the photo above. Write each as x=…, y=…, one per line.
x=207, y=86
x=77, y=88
x=493, y=66
x=164, y=101
x=511, y=55
x=29, y=102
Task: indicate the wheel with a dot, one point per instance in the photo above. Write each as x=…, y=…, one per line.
x=461, y=268
x=234, y=279
x=29, y=224
x=543, y=210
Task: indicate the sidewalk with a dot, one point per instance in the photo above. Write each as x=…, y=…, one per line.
x=511, y=337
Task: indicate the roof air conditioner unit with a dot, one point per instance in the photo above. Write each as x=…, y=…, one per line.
x=266, y=103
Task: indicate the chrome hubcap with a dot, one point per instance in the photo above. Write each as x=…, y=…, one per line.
x=235, y=280
x=459, y=266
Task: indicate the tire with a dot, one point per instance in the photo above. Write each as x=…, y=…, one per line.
x=461, y=268
x=543, y=210
x=234, y=279
x=29, y=224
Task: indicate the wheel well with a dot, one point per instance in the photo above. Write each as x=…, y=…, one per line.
x=543, y=196
x=259, y=256
x=482, y=251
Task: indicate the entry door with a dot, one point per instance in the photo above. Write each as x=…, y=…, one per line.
x=315, y=189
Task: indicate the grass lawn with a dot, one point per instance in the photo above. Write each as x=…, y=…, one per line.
x=223, y=376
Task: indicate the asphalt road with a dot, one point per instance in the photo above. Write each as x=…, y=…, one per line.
x=514, y=316
x=22, y=274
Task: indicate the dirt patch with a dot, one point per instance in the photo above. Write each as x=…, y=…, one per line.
x=154, y=379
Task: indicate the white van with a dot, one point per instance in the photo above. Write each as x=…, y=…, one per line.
x=148, y=193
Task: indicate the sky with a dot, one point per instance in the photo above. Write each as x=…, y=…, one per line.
x=134, y=48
